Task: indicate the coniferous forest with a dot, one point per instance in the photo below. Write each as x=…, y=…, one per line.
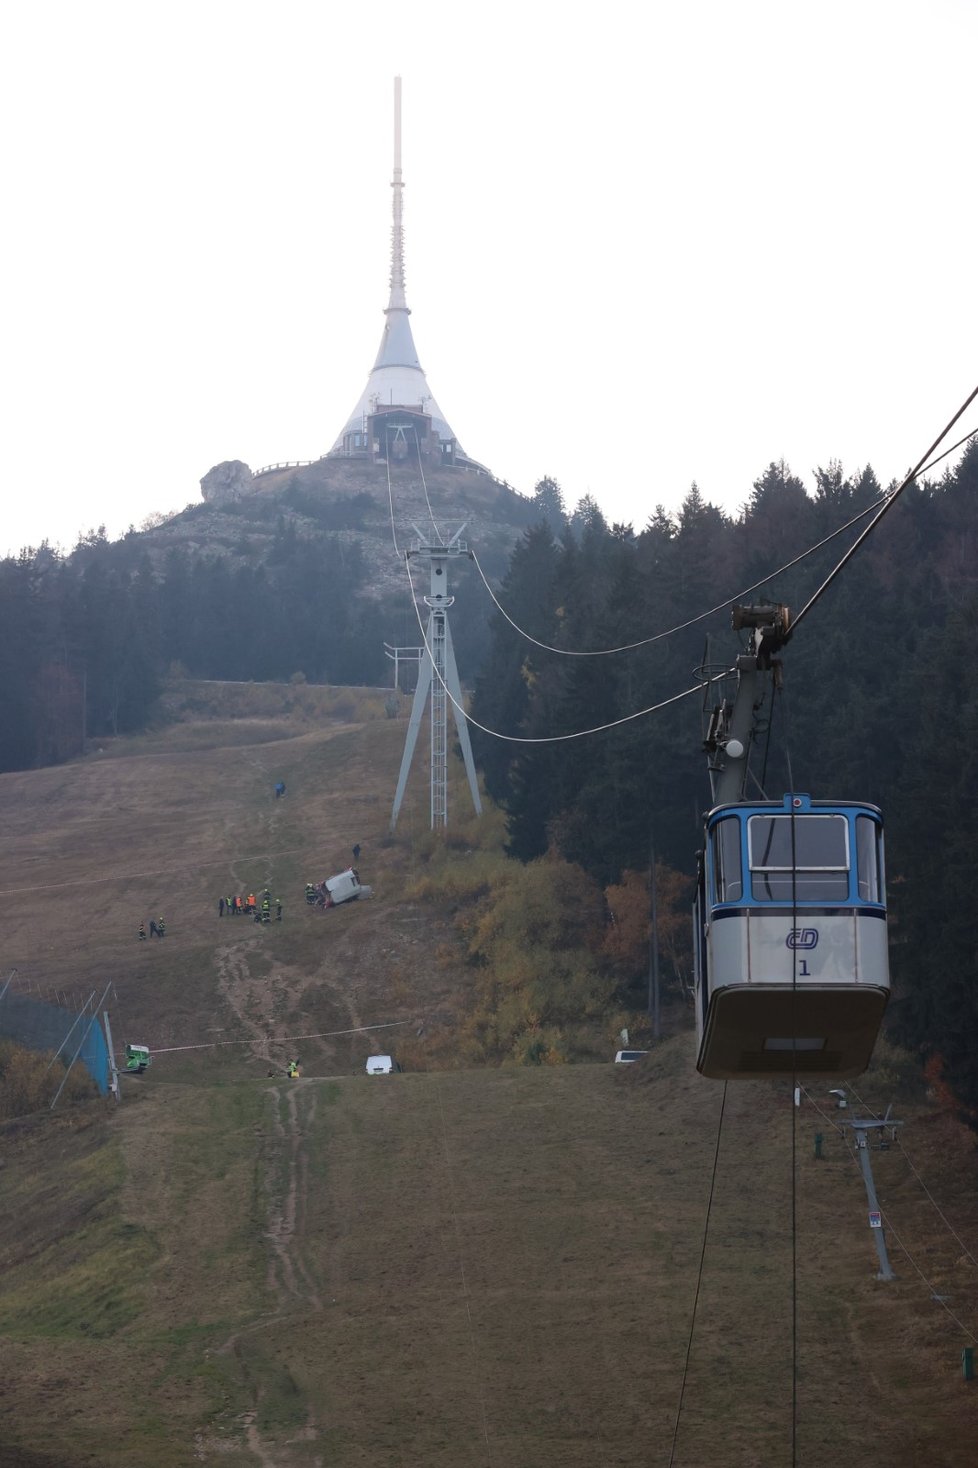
x=877, y=702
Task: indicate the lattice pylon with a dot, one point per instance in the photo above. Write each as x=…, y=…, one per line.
x=438, y=675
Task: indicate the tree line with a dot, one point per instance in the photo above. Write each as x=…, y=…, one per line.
x=90, y=635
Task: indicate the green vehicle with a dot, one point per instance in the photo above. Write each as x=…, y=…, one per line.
x=137, y=1059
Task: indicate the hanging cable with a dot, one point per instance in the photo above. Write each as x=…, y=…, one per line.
x=938, y=1299
x=699, y=1277
x=947, y=452
x=681, y=626
x=737, y=596
x=390, y=501
x=424, y=486
x=549, y=738
x=937, y=1206
x=889, y=503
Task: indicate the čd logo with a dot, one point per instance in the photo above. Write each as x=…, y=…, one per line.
x=802, y=938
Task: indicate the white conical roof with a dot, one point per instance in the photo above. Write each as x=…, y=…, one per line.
x=397, y=378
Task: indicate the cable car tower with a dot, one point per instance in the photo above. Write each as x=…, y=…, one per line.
x=438, y=673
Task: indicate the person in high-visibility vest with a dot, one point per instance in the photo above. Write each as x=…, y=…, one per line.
x=293, y=1070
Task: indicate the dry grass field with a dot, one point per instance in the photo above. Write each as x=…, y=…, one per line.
x=446, y=1267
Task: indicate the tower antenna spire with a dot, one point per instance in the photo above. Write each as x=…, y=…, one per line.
x=398, y=300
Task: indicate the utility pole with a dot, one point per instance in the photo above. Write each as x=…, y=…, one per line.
x=438, y=674
x=654, y=949
x=113, y=1068
x=862, y=1129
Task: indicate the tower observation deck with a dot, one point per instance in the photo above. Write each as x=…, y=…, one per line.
x=397, y=416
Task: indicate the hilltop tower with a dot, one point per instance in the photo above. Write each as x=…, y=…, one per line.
x=396, y=415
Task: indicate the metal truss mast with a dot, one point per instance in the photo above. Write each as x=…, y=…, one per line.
x=438, y=673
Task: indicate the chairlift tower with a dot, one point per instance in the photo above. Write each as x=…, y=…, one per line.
x=862, y=1130
x=438, y=673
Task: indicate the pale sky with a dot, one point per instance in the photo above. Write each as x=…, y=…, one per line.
x=645, y=244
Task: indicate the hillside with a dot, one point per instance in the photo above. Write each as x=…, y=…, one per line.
x=445, y=1267
x=357, y=502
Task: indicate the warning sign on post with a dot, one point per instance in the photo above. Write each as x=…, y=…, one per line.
x=876, y=1220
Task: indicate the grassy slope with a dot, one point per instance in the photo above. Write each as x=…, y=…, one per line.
x=443, y=1267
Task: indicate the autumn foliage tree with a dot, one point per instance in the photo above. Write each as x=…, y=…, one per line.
x=629, y=932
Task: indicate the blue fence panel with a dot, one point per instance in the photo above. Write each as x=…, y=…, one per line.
x=39, y=1026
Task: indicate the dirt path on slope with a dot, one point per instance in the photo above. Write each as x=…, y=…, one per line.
x=290, y=1279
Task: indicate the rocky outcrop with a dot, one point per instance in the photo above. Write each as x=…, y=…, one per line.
x=226, y=482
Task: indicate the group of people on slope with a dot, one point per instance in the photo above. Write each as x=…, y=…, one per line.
x=258, y=908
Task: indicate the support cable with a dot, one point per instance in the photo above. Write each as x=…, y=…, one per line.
x=939, y=457
x=887, y=505
x=681, y=626
x=737, y=596
x=938, y=1299
x=424, y=486
x=390, y=501
x=551, y=738
x=937, y=1206
x=699, y=1277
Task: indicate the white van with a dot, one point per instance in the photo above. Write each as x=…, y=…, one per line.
x=381, y=1065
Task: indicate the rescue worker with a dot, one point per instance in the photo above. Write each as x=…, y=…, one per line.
x=293, y=1070
x=310, y=893
x=250, y=904
x=160, y=928
x=142, y=932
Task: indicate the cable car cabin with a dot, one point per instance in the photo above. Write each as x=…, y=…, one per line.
x=790, y=963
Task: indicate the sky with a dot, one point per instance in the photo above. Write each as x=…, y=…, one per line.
x=645, y=245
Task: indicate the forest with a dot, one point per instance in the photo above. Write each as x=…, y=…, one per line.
x=876, y=703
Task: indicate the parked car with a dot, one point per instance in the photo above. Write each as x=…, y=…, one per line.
x=627, y=1057
x=381, y=1065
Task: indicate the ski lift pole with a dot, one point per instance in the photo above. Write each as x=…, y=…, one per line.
x=862, y=1130
x=114, y=1086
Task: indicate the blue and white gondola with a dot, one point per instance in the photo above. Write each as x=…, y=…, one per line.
x=791, y=967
